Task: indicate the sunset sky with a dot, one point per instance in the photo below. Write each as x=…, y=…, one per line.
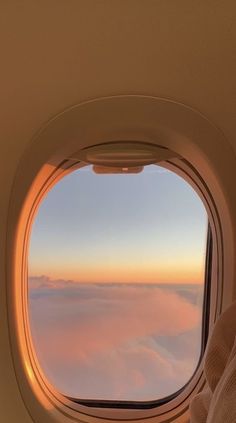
x=148, y=227
x=116, y=284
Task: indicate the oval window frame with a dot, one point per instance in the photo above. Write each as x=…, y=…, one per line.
x=36, y=394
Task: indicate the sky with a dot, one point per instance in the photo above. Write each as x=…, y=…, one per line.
x=116, y=284
x=148, y=227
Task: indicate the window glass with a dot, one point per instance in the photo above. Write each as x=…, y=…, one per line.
x=116, y=283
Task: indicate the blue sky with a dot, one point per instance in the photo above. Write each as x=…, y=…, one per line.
x=147, y=227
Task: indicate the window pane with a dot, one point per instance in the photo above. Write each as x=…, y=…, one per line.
x=116, y=282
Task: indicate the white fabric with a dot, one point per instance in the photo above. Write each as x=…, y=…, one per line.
x=217, y=403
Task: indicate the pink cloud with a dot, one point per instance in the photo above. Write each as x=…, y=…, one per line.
x=98, y=341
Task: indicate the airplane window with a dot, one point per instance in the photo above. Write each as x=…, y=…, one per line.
x=116, y=284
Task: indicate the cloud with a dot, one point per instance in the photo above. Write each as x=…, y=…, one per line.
x=135, y=342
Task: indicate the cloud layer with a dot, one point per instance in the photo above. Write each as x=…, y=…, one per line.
x=127, y=342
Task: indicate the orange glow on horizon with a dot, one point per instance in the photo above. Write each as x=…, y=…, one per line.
x=150, y=270
x=175, y=275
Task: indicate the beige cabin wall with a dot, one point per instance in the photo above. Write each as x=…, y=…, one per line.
x=55, y=54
